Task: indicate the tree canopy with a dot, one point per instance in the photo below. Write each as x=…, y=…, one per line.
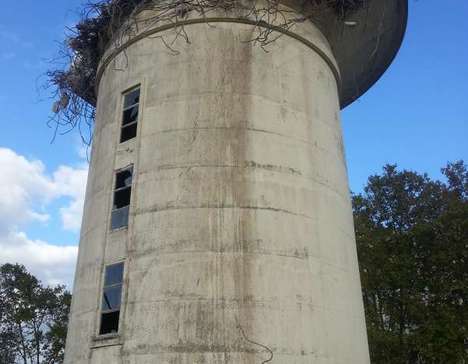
x=412, y=238
x=33, y=318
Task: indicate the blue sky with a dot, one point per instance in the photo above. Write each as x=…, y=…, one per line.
x=416, y=116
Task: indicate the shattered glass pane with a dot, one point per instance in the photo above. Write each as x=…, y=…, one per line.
x=130, y=115
x=124, y=178
x=132, y=98
x=111, y=298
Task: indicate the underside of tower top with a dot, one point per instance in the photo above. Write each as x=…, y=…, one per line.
x=364, y=35
x=364, y=43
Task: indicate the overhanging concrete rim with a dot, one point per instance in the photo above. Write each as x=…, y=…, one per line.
x=107, y=60
x=390, y=52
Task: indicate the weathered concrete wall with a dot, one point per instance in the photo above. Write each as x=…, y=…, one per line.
x=240, y=241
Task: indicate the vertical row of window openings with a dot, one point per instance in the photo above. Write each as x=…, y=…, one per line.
x=113, y=276
x=111, y=299
x=130, y=115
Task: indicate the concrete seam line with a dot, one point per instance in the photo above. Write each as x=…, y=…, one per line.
x=102, y=67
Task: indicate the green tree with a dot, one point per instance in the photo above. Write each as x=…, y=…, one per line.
x=33, y=318
x=412, y=237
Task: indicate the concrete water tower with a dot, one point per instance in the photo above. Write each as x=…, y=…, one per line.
x=218, y=225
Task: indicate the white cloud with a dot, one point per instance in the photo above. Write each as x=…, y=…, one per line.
x=23, y=187
x=27, y=190
x=71, y=182
x=53, y=264
x=71, y=215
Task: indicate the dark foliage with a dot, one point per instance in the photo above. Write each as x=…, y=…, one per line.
x=33, y=318
x=412, y=236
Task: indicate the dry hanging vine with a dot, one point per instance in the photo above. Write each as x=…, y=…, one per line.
x=106, y=21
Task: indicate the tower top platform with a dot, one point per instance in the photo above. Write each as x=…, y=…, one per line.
x=363, y=41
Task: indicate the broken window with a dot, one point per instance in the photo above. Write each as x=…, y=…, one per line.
x=122, y=195
x=111, y=299
x=130, y=115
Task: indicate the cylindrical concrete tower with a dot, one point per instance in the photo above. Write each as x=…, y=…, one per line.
x=218, y=225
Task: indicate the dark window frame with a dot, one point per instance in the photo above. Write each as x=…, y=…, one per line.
x=122, y=212
x=112, y=313
x=131, y=127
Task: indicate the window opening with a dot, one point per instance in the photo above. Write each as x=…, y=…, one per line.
x=111, y=299
x=130, y=115
x=122, y=196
